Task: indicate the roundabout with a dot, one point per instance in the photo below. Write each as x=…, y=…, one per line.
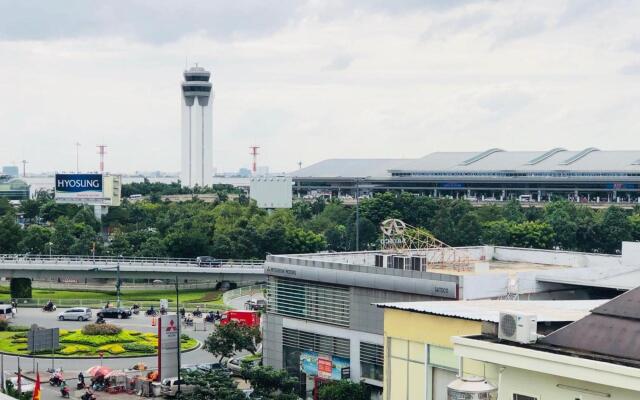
x=93, y=341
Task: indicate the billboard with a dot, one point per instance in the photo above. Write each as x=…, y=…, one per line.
x=327, y=367
x=271, y=191
x=168, y=341
x=90, y=189
x=41, y=339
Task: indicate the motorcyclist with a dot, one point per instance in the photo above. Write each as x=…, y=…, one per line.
x=49, y=305
x=100, y=320
x=80, y=380
x=218, y=316
x=182, y=312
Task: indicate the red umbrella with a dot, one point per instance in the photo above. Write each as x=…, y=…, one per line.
x=114, y=374
x=98, y=370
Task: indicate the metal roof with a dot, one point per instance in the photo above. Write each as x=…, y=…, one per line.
x=558, y=159
x=611, y=329
x=489, y=310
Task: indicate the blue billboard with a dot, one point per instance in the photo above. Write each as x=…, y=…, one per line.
x=78, y=185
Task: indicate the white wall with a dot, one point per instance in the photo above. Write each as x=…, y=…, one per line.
x=554, y=257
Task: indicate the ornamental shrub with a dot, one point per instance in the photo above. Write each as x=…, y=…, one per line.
x=4, y=325
x=101, y=329
x=20, y=340
x=139, y=347
x=75, y=348
x=97, y=340
x=19, y=335
x=112, y=348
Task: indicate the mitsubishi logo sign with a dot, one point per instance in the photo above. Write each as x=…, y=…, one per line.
x=172, y=326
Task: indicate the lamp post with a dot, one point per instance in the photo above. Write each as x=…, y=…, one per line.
x=50, y=246
x=179, y=336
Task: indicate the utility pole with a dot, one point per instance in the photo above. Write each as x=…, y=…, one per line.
x=179, y=335
x=357, y=214
x=24, y=168
x=77, y=157
x=102, y=152
x=254, y=153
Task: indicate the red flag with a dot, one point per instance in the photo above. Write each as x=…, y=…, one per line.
x=36, y=389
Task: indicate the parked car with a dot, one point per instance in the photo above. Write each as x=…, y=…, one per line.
x=114, y=312
x=169, y=387
x=235, y=364
x=75, y=314
x=210, y=367
x=208, y=261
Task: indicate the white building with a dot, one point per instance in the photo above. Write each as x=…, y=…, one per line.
x=197, y=135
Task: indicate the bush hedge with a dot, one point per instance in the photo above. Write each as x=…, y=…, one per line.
x=139, y=347
x=101, y=329
x=75, y=348
x=112, y=348
x=97, y=340
x=4, y=325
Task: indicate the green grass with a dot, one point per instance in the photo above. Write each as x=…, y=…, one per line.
x=203, y=296
x=76, y=344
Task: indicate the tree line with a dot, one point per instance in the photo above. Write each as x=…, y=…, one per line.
x=238, y=229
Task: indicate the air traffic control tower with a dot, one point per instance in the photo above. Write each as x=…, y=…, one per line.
x=197, y=134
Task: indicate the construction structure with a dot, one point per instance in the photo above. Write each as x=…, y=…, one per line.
x=403, y=244
x=254, y=158
x=197, y=131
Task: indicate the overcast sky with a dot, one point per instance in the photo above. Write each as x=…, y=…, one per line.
x=310, y=80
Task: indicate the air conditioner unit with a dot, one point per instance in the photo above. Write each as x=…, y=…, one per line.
x=518, y=327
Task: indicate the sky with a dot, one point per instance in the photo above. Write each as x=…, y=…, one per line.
x=316, y=79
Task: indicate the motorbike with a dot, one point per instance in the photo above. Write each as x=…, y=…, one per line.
x=210, y=317
x=151, y=313
x=100, y=320
x=135, y=309
x=55, y=380
x=188, y=322
x=88, y=396
x=197, y=313
x=49, y=307
x=163, y=311
x=64, y=392
x=80, y=385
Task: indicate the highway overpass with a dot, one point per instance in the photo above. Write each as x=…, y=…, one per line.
x=83, y=268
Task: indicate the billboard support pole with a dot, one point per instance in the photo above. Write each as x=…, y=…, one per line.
x=179, y=336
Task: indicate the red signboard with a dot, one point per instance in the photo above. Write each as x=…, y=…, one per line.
x=324, y=367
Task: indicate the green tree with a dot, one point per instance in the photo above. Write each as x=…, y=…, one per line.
x=561, y=216
x=63, y=237
x=30, y=208
x=613, y=229
x=468, y=231
x=497, y=233
x=86, y=240
x=6, y=207
x=35, y=240
x=119, y=245
x=152, y=247
x=342, y=390
x=231, y=338
x=214, y=384
x=270, y=384
x=10, y=234
x=20, y=288
x=538, y=235
x=85, y=216
x=512, y=211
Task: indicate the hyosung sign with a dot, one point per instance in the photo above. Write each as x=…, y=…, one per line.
x=78, y=185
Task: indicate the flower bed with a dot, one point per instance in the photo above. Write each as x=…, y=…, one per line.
x=75, y=343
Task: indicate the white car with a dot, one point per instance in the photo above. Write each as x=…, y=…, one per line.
x=75, y=314
x=169, y=387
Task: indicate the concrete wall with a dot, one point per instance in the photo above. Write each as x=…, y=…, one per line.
x=545, y=386
x=554, y=257
x=272, y=341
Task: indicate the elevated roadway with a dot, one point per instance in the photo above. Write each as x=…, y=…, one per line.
x=81, y=268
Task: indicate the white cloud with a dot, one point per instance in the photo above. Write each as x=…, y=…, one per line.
x=319, y=80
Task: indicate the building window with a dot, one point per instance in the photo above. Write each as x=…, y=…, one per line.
x=371, y=361
x=407, y=371
x=523, y=397
x=310, y=301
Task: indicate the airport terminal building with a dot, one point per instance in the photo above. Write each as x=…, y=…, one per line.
x=590, y=175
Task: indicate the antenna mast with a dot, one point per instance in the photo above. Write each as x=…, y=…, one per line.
x=254, y=153
x=102, y=151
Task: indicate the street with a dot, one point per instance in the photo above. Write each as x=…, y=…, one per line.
x=71, y=367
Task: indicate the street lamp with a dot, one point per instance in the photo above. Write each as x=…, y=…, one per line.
x=50, y=246
x=118, y=282
x=179, y=336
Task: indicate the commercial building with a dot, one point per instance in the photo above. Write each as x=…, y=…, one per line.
x=11, y=170
x=590, y=175
x=13, y=189
x=596, y=357
x=419, y=358
x=322, y=306
x=197, y=136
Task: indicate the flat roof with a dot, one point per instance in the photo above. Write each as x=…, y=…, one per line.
x=489, y=310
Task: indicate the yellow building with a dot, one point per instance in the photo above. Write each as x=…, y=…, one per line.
x=418, y=348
